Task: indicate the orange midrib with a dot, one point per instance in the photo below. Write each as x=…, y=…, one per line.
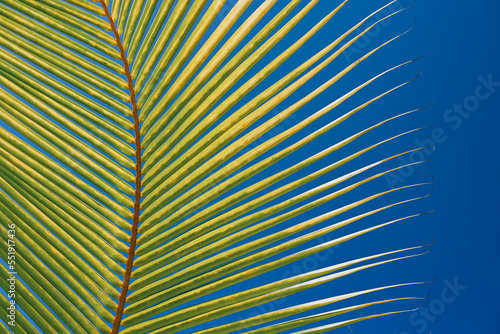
x=137, y=201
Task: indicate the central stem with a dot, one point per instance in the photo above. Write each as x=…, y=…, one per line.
x=138, y=171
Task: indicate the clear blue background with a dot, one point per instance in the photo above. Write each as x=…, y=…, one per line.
x=460, y=39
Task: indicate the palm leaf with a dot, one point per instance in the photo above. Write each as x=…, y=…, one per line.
x=139, y=182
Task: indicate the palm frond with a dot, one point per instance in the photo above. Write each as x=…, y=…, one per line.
x=139, y=183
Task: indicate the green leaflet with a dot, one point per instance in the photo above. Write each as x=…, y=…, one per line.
x=272, y=316
x=102, y=145
x=233, y=148
x=132, y=18
x=133, y=43
x=327, y=328
x=177, y=246
x=35, y=310
x=203, y=53
x=115, y=9
x=26, y=118
x=79, y=253
x=59, y=11
x=152, y=281
x=54, y=207
x=80, y=116
x=139, y=166
x=51, y=296
x=86, y=88
x=122, y=16
x=147, y=56
x=269, y=144
x=23, y=324
x=59, y=38
x=241, y=195
x=47, y=96
x=49, y=62
x=235, y=278
x=58, y=263
x=78, y=13
x=81, y=35
x=154, y=93
x=214, y=63
x=88, y=6
x=74, y=95
x=278, y=328
x=20, y=154
x=242, y=112
x=55, y=48
x=18, y=121
x=191, y=316
x=223, y=88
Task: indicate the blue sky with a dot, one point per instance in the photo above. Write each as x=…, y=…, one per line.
x=460, y=77
x=461, y=38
